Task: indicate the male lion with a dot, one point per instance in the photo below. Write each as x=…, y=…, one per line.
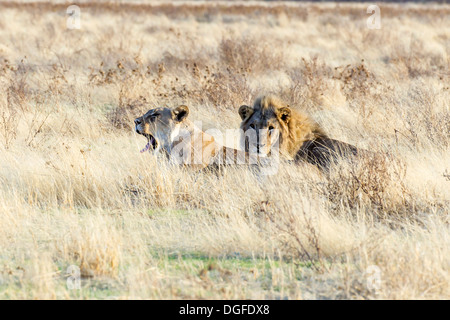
x=168, y=130
x=296, y=135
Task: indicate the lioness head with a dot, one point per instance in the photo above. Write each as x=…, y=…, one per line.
x=268, y=118
x=160, y=126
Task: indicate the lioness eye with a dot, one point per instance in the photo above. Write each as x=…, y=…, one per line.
x=271, y=128
x=252, y=126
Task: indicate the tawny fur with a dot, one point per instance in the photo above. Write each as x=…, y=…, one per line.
x=301, y=138
x=164, y=126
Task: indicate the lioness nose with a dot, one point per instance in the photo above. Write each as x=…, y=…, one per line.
x=137, y=121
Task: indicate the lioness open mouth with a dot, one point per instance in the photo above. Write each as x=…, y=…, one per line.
x=151, y=143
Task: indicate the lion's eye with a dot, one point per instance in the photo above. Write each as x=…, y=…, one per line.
x=271, y=128
x=252, y=126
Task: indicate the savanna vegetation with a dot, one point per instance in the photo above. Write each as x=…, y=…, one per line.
x=76, y=193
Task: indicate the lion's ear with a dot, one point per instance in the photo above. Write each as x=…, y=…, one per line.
x=245, y=111
x=284, y=114
x=180, y=113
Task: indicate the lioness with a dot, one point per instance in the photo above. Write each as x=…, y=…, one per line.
x=169, y=131
x=297, y=136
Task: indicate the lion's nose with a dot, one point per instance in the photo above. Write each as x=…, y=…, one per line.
x=137, y=121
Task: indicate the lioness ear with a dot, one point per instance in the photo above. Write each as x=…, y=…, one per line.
x=245, y=111
x=180, y=113
x=284, y=114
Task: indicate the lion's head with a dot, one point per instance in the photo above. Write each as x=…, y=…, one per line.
x=275, y=124
x=160, y=126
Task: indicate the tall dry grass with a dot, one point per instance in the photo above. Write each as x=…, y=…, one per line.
x=75, y=191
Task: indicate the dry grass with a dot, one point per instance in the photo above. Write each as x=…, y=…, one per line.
x=75, y=191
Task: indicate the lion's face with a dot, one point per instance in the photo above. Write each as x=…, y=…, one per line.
x=160, y=126
x=265, y=124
